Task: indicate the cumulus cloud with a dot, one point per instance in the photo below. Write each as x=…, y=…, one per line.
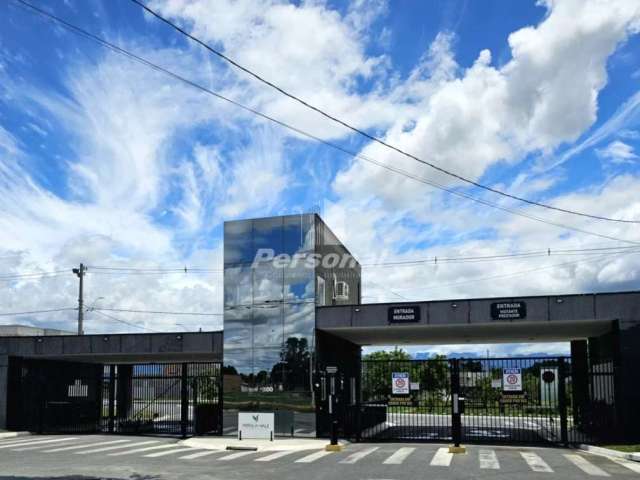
x=617, y=152
x=152, y=167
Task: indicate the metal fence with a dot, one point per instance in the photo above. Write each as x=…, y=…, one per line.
x=155, y=398
x=497, y=400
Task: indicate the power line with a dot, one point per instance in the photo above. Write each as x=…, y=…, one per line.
x=367, y=135
x=493, y=258
x=522, y=272
x=116, y=319
x=119, y=50
x=33, y=312
x=32, y=275
x=126, y=310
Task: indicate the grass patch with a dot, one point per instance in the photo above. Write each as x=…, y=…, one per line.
x=624, y=448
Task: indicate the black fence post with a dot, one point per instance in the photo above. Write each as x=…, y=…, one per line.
x=456, y=423
x=112, y=397
x=562, y=401
x=184, y=403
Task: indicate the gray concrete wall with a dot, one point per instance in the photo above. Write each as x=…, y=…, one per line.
x=623, y=306
x=118, y=347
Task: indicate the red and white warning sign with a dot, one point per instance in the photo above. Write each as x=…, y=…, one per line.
x=511, y=380
x=400, y=383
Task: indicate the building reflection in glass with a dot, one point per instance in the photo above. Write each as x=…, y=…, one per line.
x=273, y=278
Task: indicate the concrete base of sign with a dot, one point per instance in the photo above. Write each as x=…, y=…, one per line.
x=334, y=448
x=460, y=449
x=279, y=444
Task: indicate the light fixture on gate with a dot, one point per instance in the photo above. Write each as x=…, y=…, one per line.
x=454, y=305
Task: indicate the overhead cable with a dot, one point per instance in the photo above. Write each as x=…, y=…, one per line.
x=373, y=138
x=158, y=68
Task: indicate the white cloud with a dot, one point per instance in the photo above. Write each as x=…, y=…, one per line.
x=617, y=152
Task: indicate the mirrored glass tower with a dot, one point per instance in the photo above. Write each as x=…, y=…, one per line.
x=276, y=270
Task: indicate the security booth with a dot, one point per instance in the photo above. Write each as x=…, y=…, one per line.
x=294, y=328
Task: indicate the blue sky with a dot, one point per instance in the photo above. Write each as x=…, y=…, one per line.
x=105, y=161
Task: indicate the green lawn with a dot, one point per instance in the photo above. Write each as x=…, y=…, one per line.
x=624, y=448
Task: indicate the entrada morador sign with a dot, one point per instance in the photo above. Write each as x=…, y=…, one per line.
x=404, y=314
x=508, y=310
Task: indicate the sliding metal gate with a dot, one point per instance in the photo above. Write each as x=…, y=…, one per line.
x=160, y=398
x=496, y=400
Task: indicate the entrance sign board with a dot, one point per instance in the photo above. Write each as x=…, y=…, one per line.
x=404, y=314
x=512, y=380
x=256, y=425
x=400, y=383
x=508, y=310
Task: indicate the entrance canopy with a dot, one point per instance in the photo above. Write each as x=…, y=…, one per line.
x=484, y=320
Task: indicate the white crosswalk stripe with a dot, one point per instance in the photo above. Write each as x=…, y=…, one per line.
x=90, y=445
x=115, y=447
x=354, y=457
x=275, y=456
x=313, y=457
x=586, y=466
x=631, y=465
x=169, y=452
x=19, y=440
x=536, y=463
x=233, y=456
x=143, y=449
x=488, y=459
x=442, y=458
x=399, y=456
x=199, y=454
x=22, y=448
x=37, y=442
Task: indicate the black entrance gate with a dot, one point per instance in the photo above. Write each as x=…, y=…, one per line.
x=161, y=398
x=496, y=400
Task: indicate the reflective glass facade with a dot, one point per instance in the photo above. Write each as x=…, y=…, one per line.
x=272, y=270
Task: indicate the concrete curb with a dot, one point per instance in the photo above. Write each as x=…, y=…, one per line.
x=222, y=443
x=5, y=435
x=610, y=453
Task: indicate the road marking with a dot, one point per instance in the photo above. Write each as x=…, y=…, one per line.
x=140, y=450
x=442, y=458
x=38, y=442
x=78, y=447
x=22, y=448
x=169, y=452
x=275, y=456
x=586, y=466
x=313, y=457
x=237, y=455
x=399, y=456
x=535, y=462
x=488, y=459
x=116, y=447
x=631, y=465
x=354, y=457
x=17, y=441
x=199, y=454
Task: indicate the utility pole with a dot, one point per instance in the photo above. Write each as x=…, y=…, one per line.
x=80, y=274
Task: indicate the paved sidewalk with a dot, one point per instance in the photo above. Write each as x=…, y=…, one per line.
x=278, y=445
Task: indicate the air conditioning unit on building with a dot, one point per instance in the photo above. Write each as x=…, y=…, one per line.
x=341, y=291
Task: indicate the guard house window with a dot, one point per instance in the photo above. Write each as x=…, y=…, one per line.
x=320, y=299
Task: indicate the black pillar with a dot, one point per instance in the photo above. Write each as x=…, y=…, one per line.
x=124, y=391
x=580, y=382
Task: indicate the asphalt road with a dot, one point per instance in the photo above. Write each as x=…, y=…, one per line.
x=148, y=458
